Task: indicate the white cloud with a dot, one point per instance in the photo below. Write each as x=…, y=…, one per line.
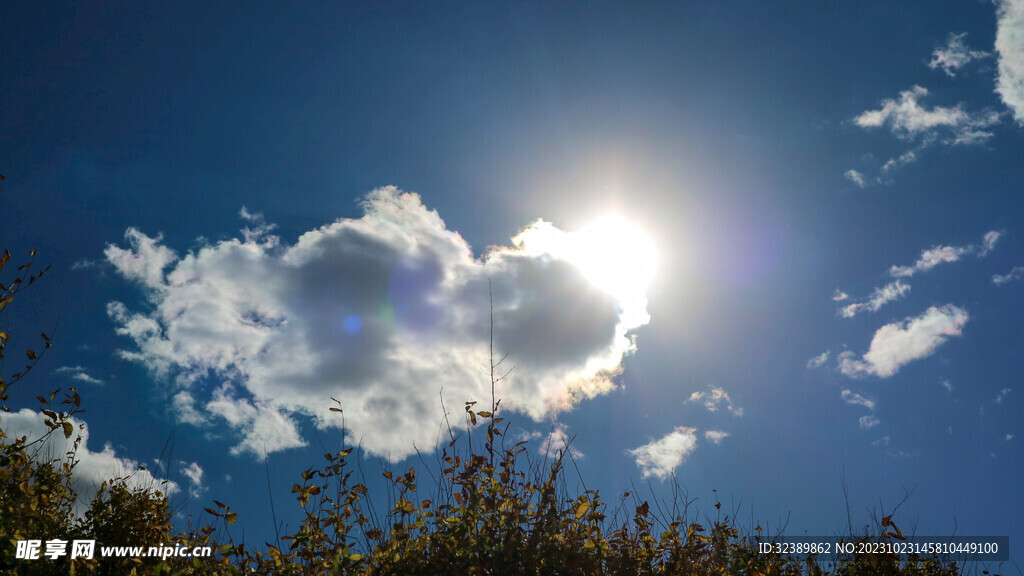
x=941, y=254
x=818, y=360
x=928, y=260
x=716, y=436
x=184, y=406
x=557, y=442
x=901, y=342
x=1002, y=394
x=93, y=468
x=855, y=177
x=380, y=312
x=1009, y=437
x=854, y=398
x=947, y=385
x=883, y=441
x=713, y=398
x=989, y=242
x=78, y=373
x=908, y=157
x=868, y=421
x=839, y=295
x=259, y=235
x=194, y=472
x=661, y=457
x=1016, y=273
x=955, y=55
x=1010, y=46
x=84, y=264
x=144, y=261
x=909, y=120
x=880, y=297
x=266, y=428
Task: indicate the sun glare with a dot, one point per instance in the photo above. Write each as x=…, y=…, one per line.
x=616, y=255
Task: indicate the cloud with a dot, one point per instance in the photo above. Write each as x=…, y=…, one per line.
x=908, y=157
x=855, y=177
x=818, y=360
x=880, y=297
x=558, y=442
x=989, y=242
x=1010, y=47
x=661, y=457
x=854, y=398
x=868, y=421
x=93, y=468
x=928, y=260
x=715, y=397
x=909, y=120
x=955, y=55
x=901, y=342
x=184, y=406
x=947, y=385
x=716, y=436
x=1016, y=273
x=940, y=254
x=839, y=295
x=260, y=234
x=78, y=373
x=265, y=428
x=1002, y=394
x=194, y=472
x=85, y=264
x=144, y=261
x=380, y=312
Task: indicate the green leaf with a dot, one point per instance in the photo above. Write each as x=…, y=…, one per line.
x=231, y=517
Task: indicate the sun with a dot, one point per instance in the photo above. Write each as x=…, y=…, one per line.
x=616, y=255
x=613, y=254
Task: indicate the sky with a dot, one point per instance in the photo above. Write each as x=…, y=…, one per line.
x=765, y=250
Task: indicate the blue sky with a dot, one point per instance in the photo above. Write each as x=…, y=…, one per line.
x=251, y=210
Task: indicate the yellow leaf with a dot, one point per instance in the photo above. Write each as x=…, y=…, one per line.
x=582, y=510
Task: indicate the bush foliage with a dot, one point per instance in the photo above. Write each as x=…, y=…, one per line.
x=489, y=509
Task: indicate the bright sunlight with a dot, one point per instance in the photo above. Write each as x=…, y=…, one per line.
x=615, y=254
